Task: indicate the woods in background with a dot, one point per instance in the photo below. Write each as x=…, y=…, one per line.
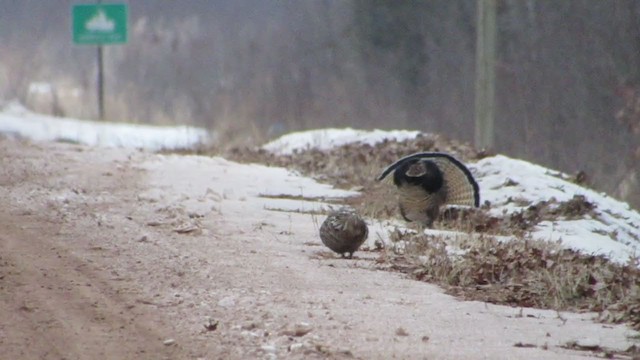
x=567, y=71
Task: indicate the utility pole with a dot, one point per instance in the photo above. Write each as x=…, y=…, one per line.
x=485, y=74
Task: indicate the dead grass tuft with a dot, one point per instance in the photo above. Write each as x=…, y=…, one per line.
x=524, y=272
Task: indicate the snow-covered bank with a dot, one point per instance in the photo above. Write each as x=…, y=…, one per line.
x=611, y=228
x=19, y=122
x=324, y=139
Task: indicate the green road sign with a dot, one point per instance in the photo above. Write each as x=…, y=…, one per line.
x=99, y=24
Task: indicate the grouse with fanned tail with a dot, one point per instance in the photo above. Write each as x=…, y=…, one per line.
x=343, y=231
x=427, y=181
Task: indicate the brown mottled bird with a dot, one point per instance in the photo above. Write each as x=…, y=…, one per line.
x=427, y=181
x=343, y=231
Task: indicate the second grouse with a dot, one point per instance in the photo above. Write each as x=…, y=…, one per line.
x=343, y=231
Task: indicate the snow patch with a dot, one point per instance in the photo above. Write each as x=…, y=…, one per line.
x=16, y=121
x=512, y=185
x=243, y=189
x=325, y=139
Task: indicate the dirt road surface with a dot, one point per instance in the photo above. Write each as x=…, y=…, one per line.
x=120, y=254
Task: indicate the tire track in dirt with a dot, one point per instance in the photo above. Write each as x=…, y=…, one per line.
x=57, y=302
x=65, y=302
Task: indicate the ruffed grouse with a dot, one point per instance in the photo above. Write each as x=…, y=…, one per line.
x=427, y=181
x=343, y=231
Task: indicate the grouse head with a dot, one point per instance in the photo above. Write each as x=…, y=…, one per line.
x=419, y=172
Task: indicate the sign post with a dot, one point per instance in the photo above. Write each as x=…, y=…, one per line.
x=100, y=24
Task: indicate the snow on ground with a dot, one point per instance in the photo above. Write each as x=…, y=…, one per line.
x=512, y=185
x=324, y=139
x=250, y=187
x=509, y=185
x=17, y=121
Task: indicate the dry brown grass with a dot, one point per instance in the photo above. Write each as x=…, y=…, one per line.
x=523, y=272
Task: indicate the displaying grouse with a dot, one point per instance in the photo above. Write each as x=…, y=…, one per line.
x=427, y=181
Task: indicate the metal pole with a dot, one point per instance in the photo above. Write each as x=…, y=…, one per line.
x=100, y=85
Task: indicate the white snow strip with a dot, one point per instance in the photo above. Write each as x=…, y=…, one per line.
x=17, y=121
x=244, y=189
x=324, y=139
